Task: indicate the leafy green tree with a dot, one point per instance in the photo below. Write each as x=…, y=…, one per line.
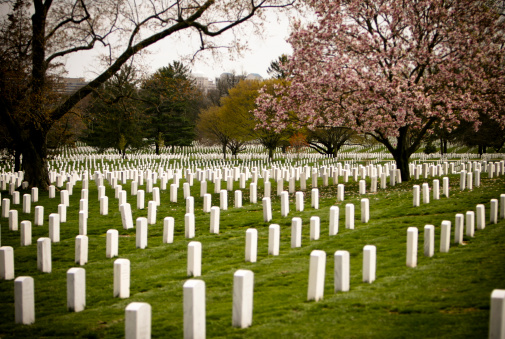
x=114, y=117
x=171, y=102
x=276, y=69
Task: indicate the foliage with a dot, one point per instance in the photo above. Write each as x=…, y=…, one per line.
x=329, y=140
x=276, y=69
x=393, y=69
x=114, y=116
x=170, y=99
x=489, y=134
x=429, y=148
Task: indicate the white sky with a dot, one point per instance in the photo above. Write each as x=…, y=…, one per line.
x=262, y=51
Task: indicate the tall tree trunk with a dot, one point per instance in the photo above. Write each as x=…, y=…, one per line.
x=35, y=160
x=17, y=160
x=224, y=151
x=402, y=157
x=271, y=154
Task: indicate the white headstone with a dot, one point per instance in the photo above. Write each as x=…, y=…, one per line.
x=267, y=209
x=365, y=210
x=194, y=267
x=243, y=288
x=6, y=263
x=168, y=230
x=341, y=271
x=493, y=211
x=26, y=233
x=138, y=321
x=39, y=216
x=54, y=227
x=141, y=232
x=369, y=263
x=140, y=199
x=122, y=278
x=126, y=216
x=24, y=300
x=274, y=236
x=412, y=235
x=315, y=198
x=317, y=271
x=480, y=216
x=251, y=245
x=296, y=232
x=44, y=255
x=445, y=236
x=458, y=228
x=334, y=217
x=194, y=309
x=315, y=228
x=189, y=225
x=470, y=223
x=497, y=315
x=13, y=220
x=349, y=216
x=112, y=247
x=76, y=289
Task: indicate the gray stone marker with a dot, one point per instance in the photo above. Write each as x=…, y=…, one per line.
x=126, y=216
x=369, y=263
x=296, y=232
x=243, y=288
x=122, y=278
x=39, y=216
x=315, y=198
x=267, y=209
x=189, y=225
x=24, y=300
x=274, y=238
x=365, y=210
x=412, y=235
x=470, y=223
x=26, y=233
x=112, y=244
x=315, y=228
x=251, y=245
x=480, y=216
x=6, y=263
x=459, y=228
x=194, y=267
x=44, y=255
x=138, y=321
x=168, y=230
x=317, y=271
x=497, y=315
x=76, y=289
x=493, y=211
x=342, y=271
x=349, y=216
x=445, y=236
x=194, y=309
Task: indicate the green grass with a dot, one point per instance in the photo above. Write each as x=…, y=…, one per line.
x=446, y=296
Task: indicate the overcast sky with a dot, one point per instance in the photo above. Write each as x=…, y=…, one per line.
x=257, y=60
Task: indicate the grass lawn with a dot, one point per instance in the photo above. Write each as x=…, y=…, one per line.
x=445, y=296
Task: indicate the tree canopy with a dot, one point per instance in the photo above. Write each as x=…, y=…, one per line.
x=392, y=69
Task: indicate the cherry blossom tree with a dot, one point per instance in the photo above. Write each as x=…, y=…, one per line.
x=392, y=69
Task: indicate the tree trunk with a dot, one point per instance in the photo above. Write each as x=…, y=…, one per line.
x=17, y=160
x=402, y=163
x=157, y=145
x=35, y=160
x=271, y=154
x=224, y=151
